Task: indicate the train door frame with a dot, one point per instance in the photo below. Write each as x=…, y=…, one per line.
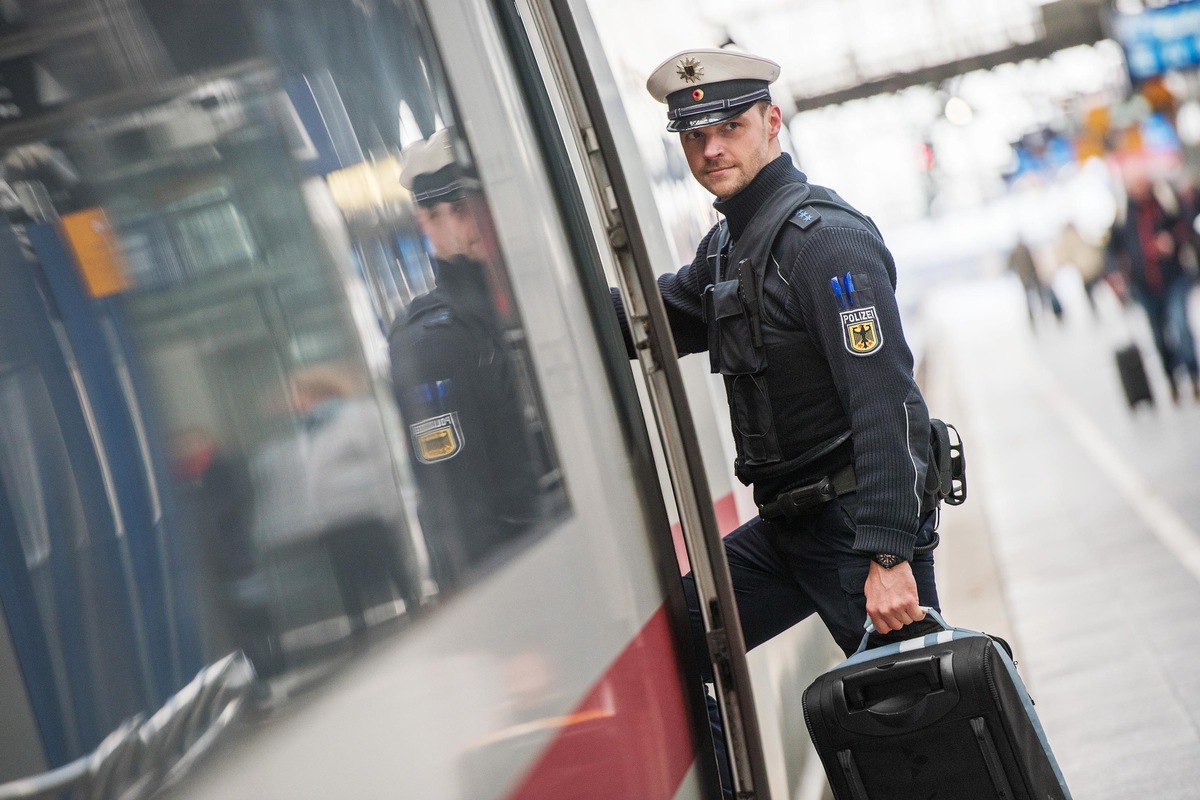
x=75, y=728
x=598, y=130
x=89, y=326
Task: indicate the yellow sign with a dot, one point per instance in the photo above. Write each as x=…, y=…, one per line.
x=100, y=262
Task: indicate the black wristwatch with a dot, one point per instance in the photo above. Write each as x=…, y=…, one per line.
x=886, y=560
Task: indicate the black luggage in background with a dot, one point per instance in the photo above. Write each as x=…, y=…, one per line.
x=944, y=715
x=1133, y=375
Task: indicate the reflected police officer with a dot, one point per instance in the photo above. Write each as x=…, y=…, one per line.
x=454, y=378
x=793, y=296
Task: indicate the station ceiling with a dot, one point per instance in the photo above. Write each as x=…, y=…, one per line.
x=840, y=50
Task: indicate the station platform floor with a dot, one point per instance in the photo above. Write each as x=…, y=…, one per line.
x=1080, y=538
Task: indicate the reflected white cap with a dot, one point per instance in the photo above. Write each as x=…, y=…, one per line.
x=430, y=171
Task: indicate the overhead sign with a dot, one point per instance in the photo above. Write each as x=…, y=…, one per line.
x=1157, y=40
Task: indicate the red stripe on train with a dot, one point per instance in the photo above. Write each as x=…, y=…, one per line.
x=727, y=521
x=630, y=737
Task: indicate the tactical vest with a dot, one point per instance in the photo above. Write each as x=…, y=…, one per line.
x=776, y=430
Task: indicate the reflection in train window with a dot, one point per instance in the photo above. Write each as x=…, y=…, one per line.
x=306, y=380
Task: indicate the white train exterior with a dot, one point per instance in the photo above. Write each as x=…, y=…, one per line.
x=207, y=245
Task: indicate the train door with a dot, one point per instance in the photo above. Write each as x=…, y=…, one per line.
x=598, y=138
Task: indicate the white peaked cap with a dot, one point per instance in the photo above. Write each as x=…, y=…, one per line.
x=689, y=69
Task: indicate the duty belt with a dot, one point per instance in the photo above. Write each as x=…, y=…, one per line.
x=796, y=501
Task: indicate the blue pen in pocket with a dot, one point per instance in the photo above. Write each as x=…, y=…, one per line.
x=837, y=292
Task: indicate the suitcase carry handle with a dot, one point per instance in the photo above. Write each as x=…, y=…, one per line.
x=869, y=627
x=902, y=695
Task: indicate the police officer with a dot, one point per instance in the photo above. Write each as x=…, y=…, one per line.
x=793, y=296
x=454, y=378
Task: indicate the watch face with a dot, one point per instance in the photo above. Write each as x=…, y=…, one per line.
x=886, y=560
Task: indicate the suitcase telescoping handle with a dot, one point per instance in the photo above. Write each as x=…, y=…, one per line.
x=883, y=699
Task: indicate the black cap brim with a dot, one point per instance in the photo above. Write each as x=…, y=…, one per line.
x=704, y=120
x=447, y=185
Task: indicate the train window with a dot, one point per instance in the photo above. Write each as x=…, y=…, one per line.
x=272, y=256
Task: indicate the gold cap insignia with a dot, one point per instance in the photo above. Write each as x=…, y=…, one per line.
x=689, y=70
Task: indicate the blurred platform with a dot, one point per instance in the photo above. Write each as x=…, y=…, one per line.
x=1080, y=538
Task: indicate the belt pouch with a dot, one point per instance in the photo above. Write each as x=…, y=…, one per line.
x=753, y=423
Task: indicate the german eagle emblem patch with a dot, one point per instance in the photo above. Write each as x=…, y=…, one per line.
x=860, y=331
x=437, y=438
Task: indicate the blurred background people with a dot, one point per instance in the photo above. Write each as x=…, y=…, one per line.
x=455, y=379
x=1039, y=293
x=1147, y=243
x=1086, y=257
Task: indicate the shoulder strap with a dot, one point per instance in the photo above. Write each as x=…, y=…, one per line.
x=716, y=246
x=787, y=204
x=759, y=237
x=422, y=306
x=822, y=196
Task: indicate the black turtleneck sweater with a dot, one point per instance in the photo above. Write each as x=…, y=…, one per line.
x=874, y=396
x=741, y=208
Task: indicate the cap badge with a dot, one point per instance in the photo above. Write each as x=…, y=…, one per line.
x=689, y=70
x=697, y=94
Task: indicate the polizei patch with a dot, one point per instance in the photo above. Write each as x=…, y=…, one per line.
x=860, y=330
x=437, y=438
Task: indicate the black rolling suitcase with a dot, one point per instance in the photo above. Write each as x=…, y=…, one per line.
x=1133, y=375
x=944, y=715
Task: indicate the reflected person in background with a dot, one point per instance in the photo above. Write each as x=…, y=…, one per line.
x=356, y=500
x=328, y=489
x=217, y=496
x=454, y=378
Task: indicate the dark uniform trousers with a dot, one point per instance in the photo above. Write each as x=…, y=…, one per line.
x=784, y=571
